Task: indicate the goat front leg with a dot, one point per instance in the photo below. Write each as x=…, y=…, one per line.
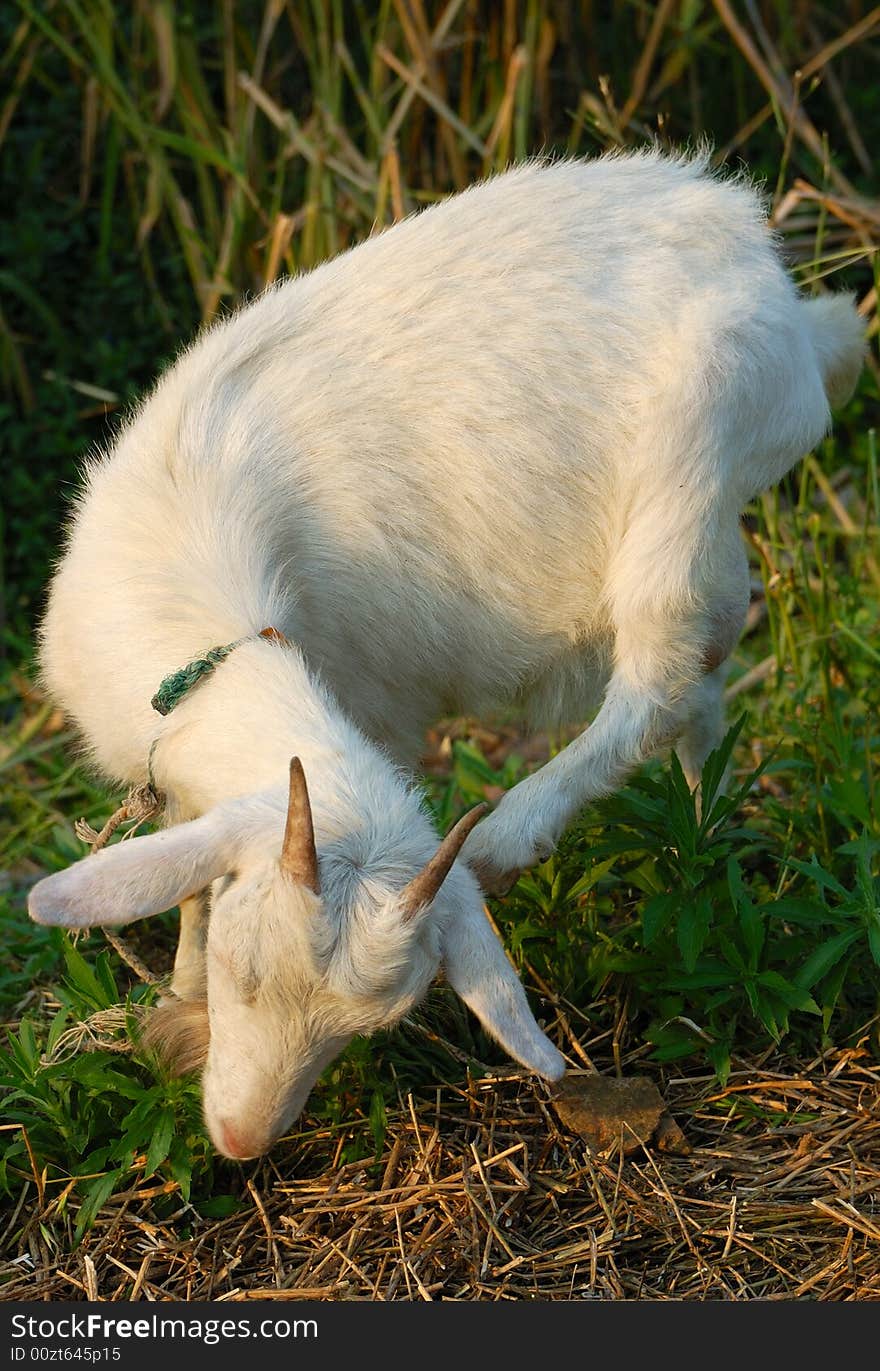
x=189, y=980
x=635, y=721
x=678, y=613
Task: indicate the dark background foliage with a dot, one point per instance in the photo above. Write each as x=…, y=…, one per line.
x=156, y=157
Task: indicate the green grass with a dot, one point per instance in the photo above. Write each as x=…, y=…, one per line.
x=211, y=156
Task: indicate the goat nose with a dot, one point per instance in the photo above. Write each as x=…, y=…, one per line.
x=233, y=1144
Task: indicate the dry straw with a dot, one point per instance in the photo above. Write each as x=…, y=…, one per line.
x=480, y=1194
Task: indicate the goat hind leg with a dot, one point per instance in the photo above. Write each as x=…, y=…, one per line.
x=703, y=731
x=703, y=728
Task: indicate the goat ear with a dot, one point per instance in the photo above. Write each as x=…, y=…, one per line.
x=477, y=968
x=139, y=876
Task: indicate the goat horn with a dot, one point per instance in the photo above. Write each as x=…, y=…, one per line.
x=299, y=860
x=422, y=888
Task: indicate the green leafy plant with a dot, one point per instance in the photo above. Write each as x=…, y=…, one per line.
x=99, y=1119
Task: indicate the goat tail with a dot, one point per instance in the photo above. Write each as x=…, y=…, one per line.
x=837, y=332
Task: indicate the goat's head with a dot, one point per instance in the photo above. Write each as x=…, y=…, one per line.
x=294, y=974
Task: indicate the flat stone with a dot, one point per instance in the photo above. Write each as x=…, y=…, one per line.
x=669, y=1137
x=608, y=1112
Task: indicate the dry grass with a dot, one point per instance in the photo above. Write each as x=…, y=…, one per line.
x=480, y=1194
x=269, y=140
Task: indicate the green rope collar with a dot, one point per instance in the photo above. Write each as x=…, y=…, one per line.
x=178, y=685
x=175, y=687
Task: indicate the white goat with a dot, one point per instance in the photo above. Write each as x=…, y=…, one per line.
x=496, y=453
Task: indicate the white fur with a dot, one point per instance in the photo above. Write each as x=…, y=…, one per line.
x=495, y=454
x=292, y=977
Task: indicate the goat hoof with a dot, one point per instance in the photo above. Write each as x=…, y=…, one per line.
x=494, y=882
